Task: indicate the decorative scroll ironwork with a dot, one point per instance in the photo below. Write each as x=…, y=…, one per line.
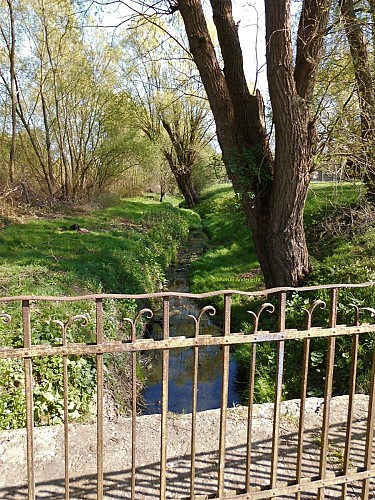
x=267, y=306
x=197, y=320
x=6, y=318
x=134, y=323
x=65, y=325
x=310, y=310
x=357, y=311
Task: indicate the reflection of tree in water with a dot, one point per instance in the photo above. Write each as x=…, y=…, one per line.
x=181, y=360
x=181, y=363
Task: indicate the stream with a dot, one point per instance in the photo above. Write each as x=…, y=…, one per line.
x=181, y=360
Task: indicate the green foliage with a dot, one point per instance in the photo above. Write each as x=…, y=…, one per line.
x=226, y=263
x=127, y=249
x=12, y=394
x=253, y=171
x=177, y=122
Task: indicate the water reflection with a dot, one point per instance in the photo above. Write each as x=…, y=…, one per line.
x=181, y=362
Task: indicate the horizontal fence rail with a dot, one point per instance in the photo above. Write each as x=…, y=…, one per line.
x=93, y=327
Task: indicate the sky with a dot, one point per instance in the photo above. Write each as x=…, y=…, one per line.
x=250, y=16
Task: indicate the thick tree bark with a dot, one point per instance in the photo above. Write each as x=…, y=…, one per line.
x=185, y=185
x=272, y=190
x=181, y=159
x=365, y=88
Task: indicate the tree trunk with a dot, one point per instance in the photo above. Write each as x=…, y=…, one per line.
x=282, y=255
x=184, y=182
x=181, y=158
x=273, y=191
x=13, y=95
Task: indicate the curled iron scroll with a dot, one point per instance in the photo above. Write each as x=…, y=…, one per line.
x=7, y=318
x=197, y=320
x=64, y=326
x=133, y=323
x=357, y=310
x=267, y=306
x=310, y=310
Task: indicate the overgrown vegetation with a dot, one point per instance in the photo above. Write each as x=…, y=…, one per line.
x=341, y=237
x=126, y=249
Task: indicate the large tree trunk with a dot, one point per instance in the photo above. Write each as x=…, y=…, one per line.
x=185, y=185
x=181, y=158
x=272, y=190
x=282, y=254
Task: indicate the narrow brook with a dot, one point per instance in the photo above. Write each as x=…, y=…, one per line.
x=181, y=360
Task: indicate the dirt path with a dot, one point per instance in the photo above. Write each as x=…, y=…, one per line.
x=49, y=452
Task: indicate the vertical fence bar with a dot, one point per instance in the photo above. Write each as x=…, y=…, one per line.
x=134, y=408
x=224, y=394
x=349, y=422
x=328, y=391
x=278, y=390
x=301, y=428
x=250, y=415
x=304, y=378
x=29, y=400
x=369, y=432
x=194, y=413
x=99, y=390
x=66, y=413
x=164, y=403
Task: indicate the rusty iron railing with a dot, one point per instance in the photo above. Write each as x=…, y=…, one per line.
x=356, y=468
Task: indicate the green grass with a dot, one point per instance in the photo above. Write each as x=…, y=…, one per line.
x=127, y=250
x=324, y=197
x=340, y=230
x=231, y=251
x=231, y=263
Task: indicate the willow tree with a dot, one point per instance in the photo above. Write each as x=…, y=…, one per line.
x=67, y=145
x=172, y=107
x=271, y=186
x=8, y=37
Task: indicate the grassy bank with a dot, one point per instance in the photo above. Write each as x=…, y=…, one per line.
x=125, y=249
x=230, y=261
x=340, y=230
